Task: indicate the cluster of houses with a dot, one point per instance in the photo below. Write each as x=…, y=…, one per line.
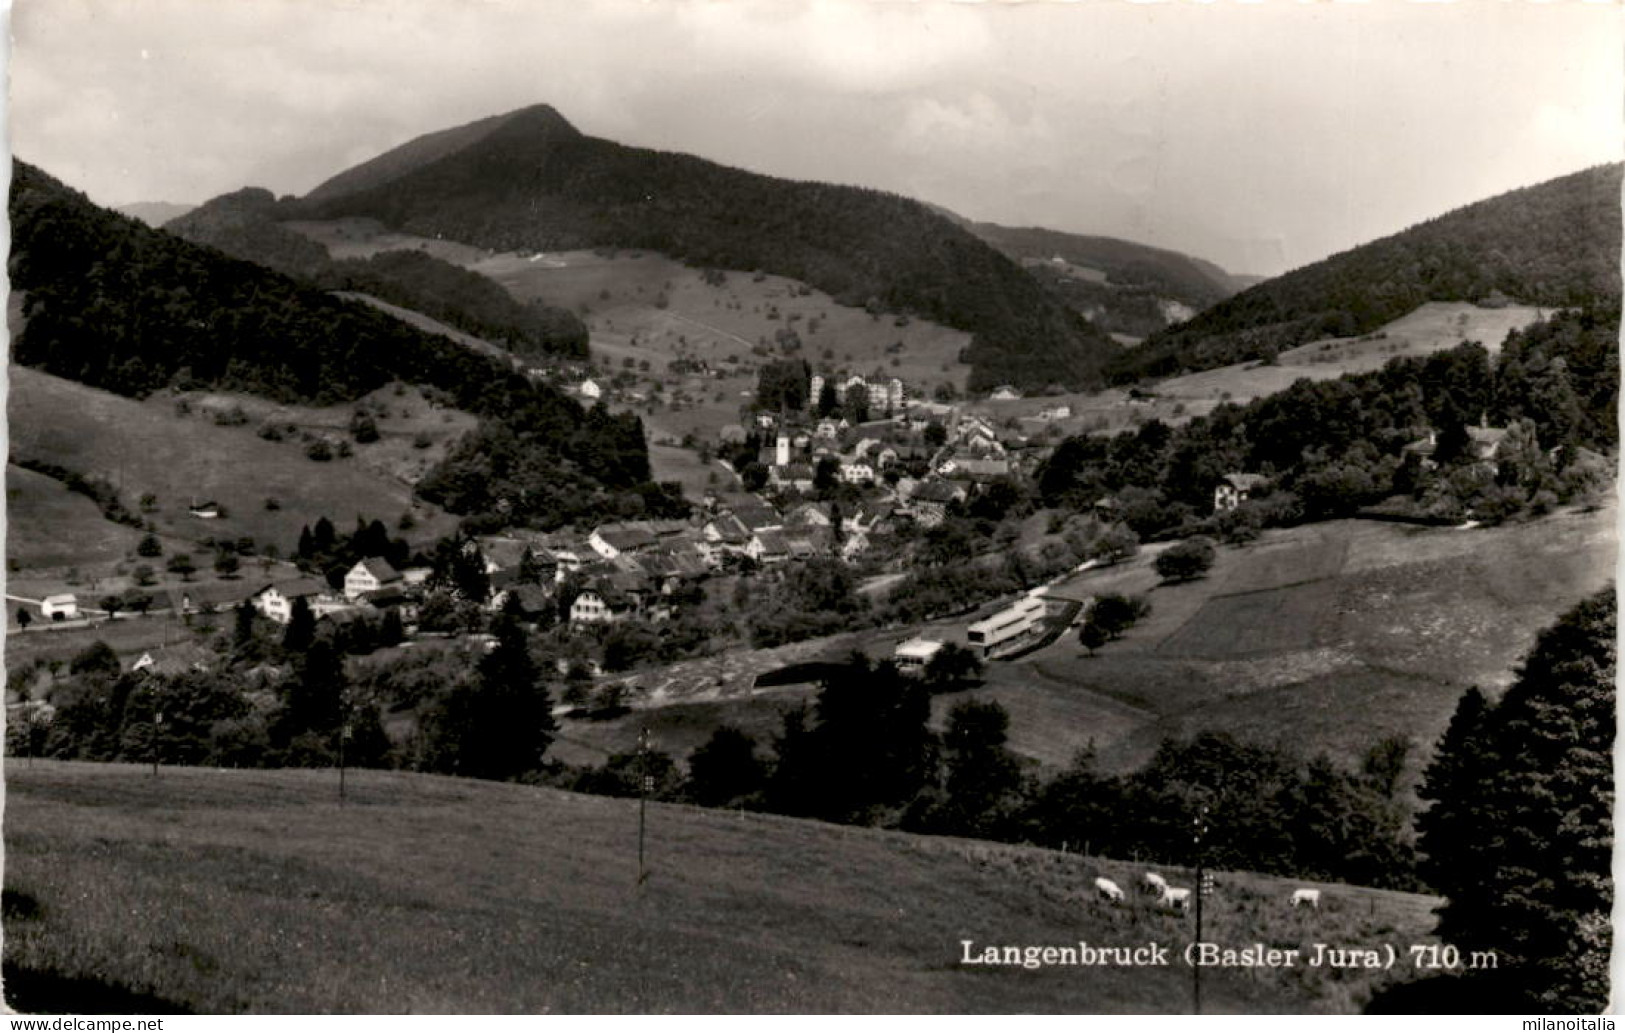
x=892, y=461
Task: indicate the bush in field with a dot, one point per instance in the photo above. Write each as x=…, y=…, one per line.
x=1189, y=559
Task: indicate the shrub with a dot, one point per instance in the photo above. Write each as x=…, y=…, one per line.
x=1189, y=559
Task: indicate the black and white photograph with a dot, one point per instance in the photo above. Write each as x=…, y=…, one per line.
x=783, y=507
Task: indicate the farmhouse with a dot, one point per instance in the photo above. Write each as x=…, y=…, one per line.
x=204, y=510
x=208, y=598
x=601, y=604
x=768, y=547
x=370, y=575
x=1234, y=489
x=611, y=540
x=276, y=600
x=1005, y=393
x=929, y=502
x=591, y=390
x=60, y=607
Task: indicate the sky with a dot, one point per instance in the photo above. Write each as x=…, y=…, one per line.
x=1261, y=136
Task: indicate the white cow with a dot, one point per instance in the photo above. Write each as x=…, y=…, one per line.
x=1310, y=897
x=1154, y=884
x=1108, y=890
x=1178, y=899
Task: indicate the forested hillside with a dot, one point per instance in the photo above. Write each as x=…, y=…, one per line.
x=243, y=224
x=114, y=304
x=1556, y=243
x=531, y=181
x=1331, y=447
x=1191, y=280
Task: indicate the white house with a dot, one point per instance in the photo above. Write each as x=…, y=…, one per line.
x=1235, y=489
x=60, y=607
x=591, y=390
x=205, y=510
x=1005, y=393
x=599, y=606
x=370, y=575
x=276, y=600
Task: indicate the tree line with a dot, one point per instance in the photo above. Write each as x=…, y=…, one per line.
x=1331, y=447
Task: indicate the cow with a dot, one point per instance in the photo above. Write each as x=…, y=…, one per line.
x=1178, y=899
x=1154, y=884
x=1108, y=890
x=1310, y=897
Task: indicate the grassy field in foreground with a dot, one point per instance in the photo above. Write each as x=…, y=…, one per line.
x=219, y=891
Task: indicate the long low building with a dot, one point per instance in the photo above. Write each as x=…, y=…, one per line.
x=1013, y=622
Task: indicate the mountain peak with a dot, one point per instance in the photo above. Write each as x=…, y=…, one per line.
x=536, y=121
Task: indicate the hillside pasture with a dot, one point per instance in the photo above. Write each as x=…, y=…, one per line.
x=147, y=447
x=48, y=526
x=258, y=891
x=1327, y=637
x=1434, y=326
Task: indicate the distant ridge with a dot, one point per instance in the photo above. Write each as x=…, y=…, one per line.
x=529, y=180
x=154, y=213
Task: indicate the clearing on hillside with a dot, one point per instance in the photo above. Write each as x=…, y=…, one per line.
x=258, y=891
x=1434, y=326
x=209, y=456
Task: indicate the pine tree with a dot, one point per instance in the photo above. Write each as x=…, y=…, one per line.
x=501, y=725
x=724, y=768
x=301, y=629
x=1520, y=835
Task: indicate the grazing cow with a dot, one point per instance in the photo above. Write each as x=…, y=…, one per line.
x=1178, y=899
x=1154, y=884
x=1310, y=897
x=1108, y=890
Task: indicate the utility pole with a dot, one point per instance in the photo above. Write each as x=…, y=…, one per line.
x=157, y=727
x=344, y=737
x=645, y=786
x=1199, y=828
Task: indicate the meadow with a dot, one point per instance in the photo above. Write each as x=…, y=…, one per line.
x=259, y=891
x=1434, y=326
x=1325, y=637
x=151, y=448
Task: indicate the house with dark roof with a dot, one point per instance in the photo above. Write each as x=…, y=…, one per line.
x=370, y=575
x=600, y=603
x=276, y=600
x=929, y=501
x=611, y=540
x=768, y=547
x=209, y=596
